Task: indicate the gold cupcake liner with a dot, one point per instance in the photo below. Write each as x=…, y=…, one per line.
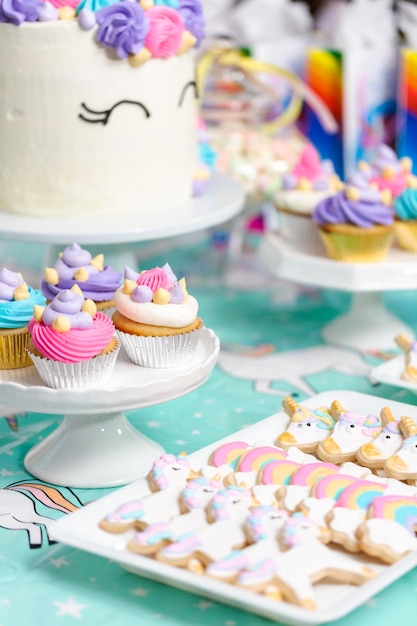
x=352, y=244
x=160, y=352
x=406, y=234
x=13, y=349
x=88, y=374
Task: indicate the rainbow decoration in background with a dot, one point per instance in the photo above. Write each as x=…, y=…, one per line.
x=324, y=74
x=407, y=106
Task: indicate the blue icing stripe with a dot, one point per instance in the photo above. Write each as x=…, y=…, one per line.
x=405, y=206
x=16, y=314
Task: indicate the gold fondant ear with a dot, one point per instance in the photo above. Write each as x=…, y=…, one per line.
x=51, y=276
x=161, y=296
x=136, y=60
x=98, y=262
x=81, y=275
x=89, y=306
x=187, y=41
x=37, y=312
x=61, y=324
x=21, y=292
x=128, y=286
x=76, y=289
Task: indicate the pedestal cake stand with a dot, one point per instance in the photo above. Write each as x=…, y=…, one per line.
x=95, y=445
x=368, y=325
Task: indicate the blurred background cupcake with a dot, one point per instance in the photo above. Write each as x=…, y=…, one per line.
x=405, y=225
x=356, y=224
x=76, y=266
x=17, y=300
x=387, y=171
x=156, y=319
x=310, y=181
x=72, y=345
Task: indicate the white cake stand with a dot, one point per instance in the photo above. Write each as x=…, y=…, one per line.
x=95, y=445
x=368, y=325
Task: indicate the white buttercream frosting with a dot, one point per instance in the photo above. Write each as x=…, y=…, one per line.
x=302, y=202
x=172, y=315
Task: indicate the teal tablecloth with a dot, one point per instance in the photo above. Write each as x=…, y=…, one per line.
x=56, y=585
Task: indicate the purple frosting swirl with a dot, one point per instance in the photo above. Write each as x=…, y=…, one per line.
x=338, y=209
x=18, y=11
x=69, y=304
x=192, y=15
x=122, y=26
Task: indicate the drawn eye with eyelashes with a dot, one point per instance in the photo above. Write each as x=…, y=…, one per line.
x=192, y=84
x=102, y=117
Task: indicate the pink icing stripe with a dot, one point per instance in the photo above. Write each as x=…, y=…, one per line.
x=228, y=453
x=255, y=459
x=76, y=344
x=309, y=473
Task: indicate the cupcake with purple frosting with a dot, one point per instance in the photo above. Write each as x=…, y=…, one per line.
x=357, y=224
x=76, y=266
x=309, y=182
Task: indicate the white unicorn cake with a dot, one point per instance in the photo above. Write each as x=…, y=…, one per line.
x=98, y=111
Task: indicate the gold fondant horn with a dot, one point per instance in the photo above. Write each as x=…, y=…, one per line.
x=128, y=286
x=386, y=415
x=21, y=292
x=76, y=289
x=37, y=312
x=81, y=275
x=136, y=60
x=61, y=324
x=51, y=276
x=187, y=41
x=403, y=342
x=89, y=306
x=98, y=262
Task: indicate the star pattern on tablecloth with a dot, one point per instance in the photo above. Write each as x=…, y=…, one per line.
x=139, y=591
x=153, y=424
x=4, y=472
x=59, y=562
x=204, y=604
x=70, y=607
x=4, y=602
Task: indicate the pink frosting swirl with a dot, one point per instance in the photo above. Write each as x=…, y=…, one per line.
x=154, y=279
x=58, y=4
x=166, y=28
x=76, y=344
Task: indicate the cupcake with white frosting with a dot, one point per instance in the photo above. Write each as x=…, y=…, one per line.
x=156, y=318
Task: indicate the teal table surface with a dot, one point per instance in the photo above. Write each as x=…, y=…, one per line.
x=253, y=314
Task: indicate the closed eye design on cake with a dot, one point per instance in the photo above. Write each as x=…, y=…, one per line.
x=192, y=84
x=102, y=117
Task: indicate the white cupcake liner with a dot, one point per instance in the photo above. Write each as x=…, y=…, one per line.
x=88, y=374
x=300, y=230
x=160, y=352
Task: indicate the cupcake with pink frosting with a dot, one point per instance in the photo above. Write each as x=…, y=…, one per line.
x=76, y=266
x=17, y=300
x=156, y=318
x=387, y=171
x=310, y=181
x=73, y=346
x=356, y=224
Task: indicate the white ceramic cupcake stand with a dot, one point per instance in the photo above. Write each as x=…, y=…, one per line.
x=95, y=445
x=367, y=325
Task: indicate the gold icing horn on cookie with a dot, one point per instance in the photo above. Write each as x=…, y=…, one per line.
x=337, y=409
x=386, y=415
x=51, y=276
x=403, y=342
x=290, y=406
x=408, y=426
x=21, y=292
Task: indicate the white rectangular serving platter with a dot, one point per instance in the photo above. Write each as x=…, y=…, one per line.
x=390, y=373
x=81, y=530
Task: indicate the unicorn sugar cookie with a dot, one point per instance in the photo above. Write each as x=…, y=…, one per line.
x=307, y=426
x=374, y=453
x=409, y=348
x=193, y=500
x=403, y=464
x=388, y=532
x=351, y=431
x=168, y=476
x=306, y=560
